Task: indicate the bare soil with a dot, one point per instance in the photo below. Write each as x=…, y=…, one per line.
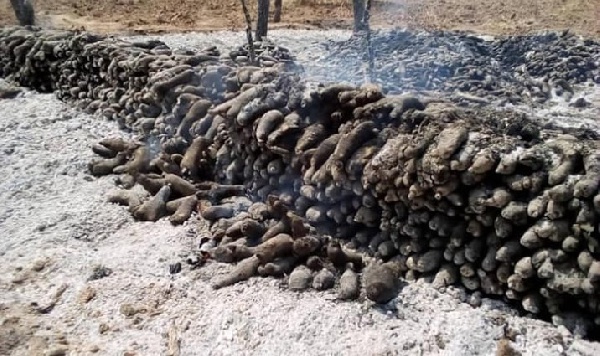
x=151, y=16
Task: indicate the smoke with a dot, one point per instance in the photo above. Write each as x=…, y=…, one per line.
x=153, y=144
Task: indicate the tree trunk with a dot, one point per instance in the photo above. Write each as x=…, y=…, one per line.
x=277, y=13
x=359, y=15
x=248, y=31
x=24, y=12
x=262, y=22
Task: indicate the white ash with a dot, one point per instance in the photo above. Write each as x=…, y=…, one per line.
x=56, y=227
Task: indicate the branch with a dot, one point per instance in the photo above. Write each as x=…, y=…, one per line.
x=249, y=31
x=277, y=13
x=370, y=54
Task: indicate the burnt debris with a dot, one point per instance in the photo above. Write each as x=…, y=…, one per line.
x=326, y=184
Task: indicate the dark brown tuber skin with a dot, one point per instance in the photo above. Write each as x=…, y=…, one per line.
x=359, y=160
x=283, y=139
x=180, y=185
x=499, y=199
x=267, y=124
x=198, y=110
x=323, y=280
x=368, y=93
x=190, y=162
x=537, y=206
x=394, y=105
x=331, y=92
x=165, y=166
x=300, y=278
x=185, y=77
x=311, y=137
x=381, y=283
x=484, y=161
x=151, y=182
x=102, y=167
x=103, y=151
x=533, y=212
x=508, y=164
x=184, y=211
x=450, y=140
x=126, y=197
x=281, y=245
x=533, y=183
x=174, y=146
x=340, y=257
x=243, y=271
x=276, y=207
x=235, y=230
x=279, y=228
x=277, y=210
x=232, y=252
x=139, y=164
x=588, y=186
x=117, y=144
x=242, y=100
x=297, y=226
x=279, y=267
x=349, y=143
x=306, y=246
x=217, y=212
x=173, y=205
x=125, y=181
x=183, y=104
x=315, y=263
x=216, y=192
x=349, y=287
x=504, y=348
x=324, y=151
x=155, y=208
x=252, y=229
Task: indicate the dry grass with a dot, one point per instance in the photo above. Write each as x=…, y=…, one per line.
x=484, y=16
x=342, y=3
x=495, y=17
x=342, y=7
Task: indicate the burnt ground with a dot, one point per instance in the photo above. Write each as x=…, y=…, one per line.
x=487, y=16
x=165, y=308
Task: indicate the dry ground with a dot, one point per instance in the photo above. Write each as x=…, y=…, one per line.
x=79, y=277
x=484, y=16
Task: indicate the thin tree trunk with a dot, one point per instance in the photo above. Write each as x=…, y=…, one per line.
x=248, y=31
x=23, y=11
x=262, y=22
x=359, y=15
x=370, y=54
x=277, y=13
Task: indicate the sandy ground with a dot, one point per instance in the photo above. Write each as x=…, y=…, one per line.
x=484, y=16
x=79, y=277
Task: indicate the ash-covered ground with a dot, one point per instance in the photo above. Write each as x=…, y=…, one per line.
x=80, y=277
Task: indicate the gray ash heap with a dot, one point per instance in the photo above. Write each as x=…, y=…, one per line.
x=335, y=186
x=514, y=69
